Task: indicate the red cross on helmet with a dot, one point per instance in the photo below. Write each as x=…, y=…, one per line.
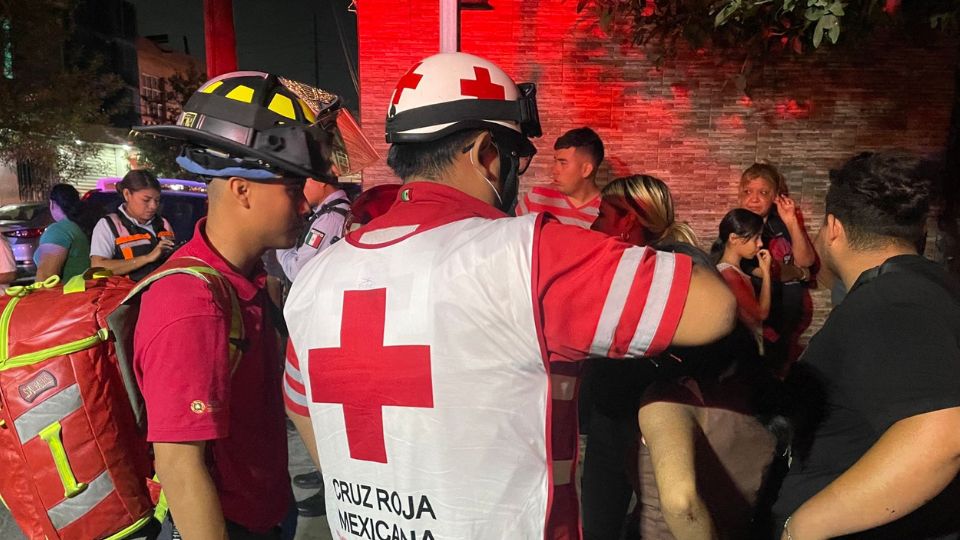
x=451, y=92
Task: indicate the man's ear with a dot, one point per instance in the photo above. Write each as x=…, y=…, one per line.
x=239, y=190
x=483, y=153
x=834, y=230
x=586, y=168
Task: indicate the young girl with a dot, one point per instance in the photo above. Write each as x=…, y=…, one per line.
x=740, y=239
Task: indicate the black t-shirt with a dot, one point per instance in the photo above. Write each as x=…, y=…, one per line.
x=890, y=351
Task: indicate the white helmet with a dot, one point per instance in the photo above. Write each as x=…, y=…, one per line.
x=452, y=92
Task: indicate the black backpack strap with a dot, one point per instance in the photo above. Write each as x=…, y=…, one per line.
x=128, y=223
x=893, y=266
x=335, y=206
x=112, y=225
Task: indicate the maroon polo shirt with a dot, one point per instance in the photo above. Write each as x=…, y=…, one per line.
x=182, y=367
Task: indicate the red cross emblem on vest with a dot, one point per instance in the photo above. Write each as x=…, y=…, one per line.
x=365, y=376
x=482, y=87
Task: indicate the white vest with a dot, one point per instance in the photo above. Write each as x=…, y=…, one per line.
x=462, y=453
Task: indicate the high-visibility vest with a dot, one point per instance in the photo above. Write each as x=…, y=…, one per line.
x=131, y=240
x=427, y=386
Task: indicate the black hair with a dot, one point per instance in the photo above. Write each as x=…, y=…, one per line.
x=137, y=180
x=880, y=198
x=584, y=139
x=68, y=199
x=427, y=159
x=739, y=221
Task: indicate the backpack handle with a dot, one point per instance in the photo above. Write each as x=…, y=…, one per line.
x=23, y=290
x=78, y=283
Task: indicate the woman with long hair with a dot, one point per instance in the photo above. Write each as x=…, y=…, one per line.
x=64, y=247
x=637, y=209
x=739, y=240
x=709, y=424
x=136, y=239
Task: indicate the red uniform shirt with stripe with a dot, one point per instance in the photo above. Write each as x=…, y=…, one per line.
x=549, y=294
x=546, y=199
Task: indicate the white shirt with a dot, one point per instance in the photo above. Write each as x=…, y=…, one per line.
x=103, y=242
x=323, y=231
x=7, y=262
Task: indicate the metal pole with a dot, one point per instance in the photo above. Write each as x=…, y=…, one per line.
x=449, y=26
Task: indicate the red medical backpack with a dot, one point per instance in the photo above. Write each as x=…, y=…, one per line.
x=74, y=461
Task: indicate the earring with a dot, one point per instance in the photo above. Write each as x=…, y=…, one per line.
x=623, y=236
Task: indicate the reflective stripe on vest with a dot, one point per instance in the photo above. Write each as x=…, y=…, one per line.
x=562, y=472
x=130, y=243
x=132, y=240
x=563, y=387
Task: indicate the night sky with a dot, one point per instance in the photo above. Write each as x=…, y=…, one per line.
x=279, y=37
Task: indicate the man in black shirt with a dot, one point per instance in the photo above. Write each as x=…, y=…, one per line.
x=879, y=452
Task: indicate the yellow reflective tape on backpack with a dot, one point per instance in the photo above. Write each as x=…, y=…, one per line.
x=160, y=512
x=78, y=283
x=51, y=436
x=60, y=350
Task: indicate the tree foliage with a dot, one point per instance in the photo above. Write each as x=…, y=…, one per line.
x=765, y=29
x=49, y=92
x=159, y=153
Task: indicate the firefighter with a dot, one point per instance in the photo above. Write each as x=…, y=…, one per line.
x=217, y=427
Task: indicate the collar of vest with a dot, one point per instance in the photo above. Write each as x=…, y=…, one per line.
x=128, y=220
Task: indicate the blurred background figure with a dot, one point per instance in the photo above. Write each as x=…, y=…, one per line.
x=763, y=191
x=739, y=240
x=64, y=246
x=8, y=265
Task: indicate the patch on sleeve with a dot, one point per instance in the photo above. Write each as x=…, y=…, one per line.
x=198, y=407
x=204, y=407
x=314, y=239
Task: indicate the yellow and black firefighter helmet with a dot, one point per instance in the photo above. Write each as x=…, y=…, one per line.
x=260, y=126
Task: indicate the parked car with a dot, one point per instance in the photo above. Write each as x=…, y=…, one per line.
x=22, y=224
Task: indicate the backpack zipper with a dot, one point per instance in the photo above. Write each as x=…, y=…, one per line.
x=60, y=350
x=4, y=329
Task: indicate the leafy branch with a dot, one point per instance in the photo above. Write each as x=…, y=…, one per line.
x=763, y=29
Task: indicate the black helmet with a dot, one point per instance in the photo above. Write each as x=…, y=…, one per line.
x=261, y=126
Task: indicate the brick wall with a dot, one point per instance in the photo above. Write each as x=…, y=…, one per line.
x=686, y=122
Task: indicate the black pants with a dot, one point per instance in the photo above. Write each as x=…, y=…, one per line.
x=606, y=489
